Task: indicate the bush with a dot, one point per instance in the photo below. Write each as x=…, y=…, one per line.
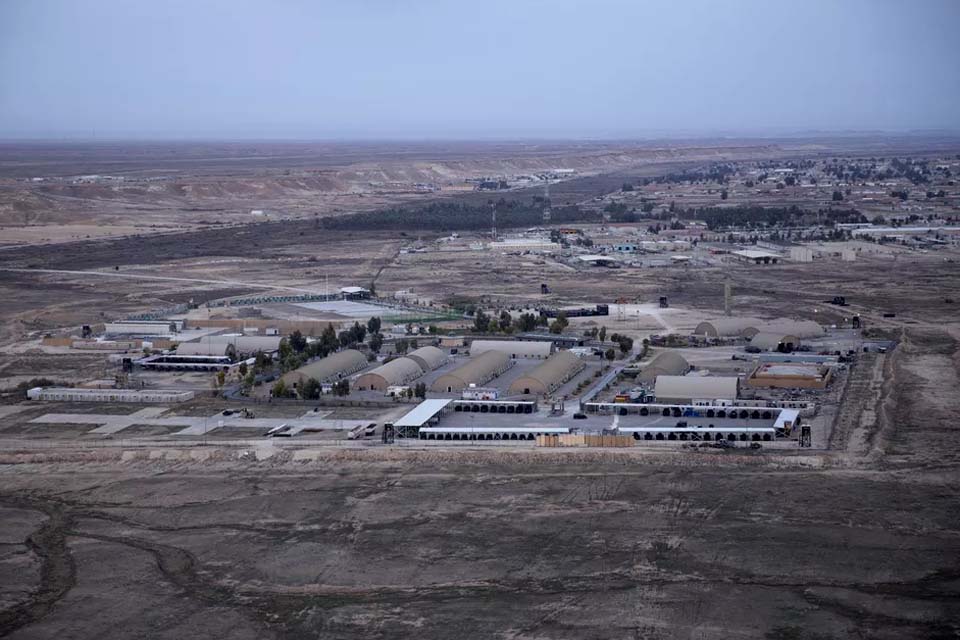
x=25, y=386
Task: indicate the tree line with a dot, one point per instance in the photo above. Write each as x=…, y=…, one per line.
x=748, y=216
x=453, y=216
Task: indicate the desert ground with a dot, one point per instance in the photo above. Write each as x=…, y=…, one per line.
x=102, y=538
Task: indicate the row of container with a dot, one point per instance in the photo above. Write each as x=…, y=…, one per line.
x=584, y=440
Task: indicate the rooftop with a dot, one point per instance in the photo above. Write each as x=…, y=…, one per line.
x=423, y=413
x=792, y=370
x=756, y=253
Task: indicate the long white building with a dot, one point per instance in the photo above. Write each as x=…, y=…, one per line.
x=69, y=394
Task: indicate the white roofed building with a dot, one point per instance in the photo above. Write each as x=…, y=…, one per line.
x=690, y=389
x=514, y=348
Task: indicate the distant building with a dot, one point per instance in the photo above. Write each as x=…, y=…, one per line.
x=475, y=372
x=355, y=293
x=143, y=327
x=667, y=363
x=220, y=345
x=62, y=394
x=513, y=348
x=397, y=372
x=775, y=341
x=558, y=339
x=692, y=389
x=756, y=256
x=598, y=260
x=548, y=376
x=327, y=370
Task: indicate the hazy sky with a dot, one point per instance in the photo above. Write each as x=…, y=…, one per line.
x=483, y=69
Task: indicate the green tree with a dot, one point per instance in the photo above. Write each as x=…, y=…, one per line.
x=481, y=322
x=560, y=323
x=401, y=346
x=284, y=350
x=375, y=342
x=373, y=325
x=297, y=342
x=527, y=322
x=328, y=340
x=262, y=361
x=602, y=334
x=310, y=389
x=280, y=389
x=610, y=354
x=505, y=320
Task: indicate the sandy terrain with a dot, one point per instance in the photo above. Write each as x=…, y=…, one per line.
x=238, y=538
x=153, y=187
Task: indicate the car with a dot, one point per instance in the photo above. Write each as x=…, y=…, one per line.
x=682, y=424
x=579, y=416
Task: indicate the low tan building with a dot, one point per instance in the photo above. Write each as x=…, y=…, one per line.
x=666, y=363
x=775, y=341
x=429, y=358
x=695, y=389
x=477, y=371
x=283, y=327
x=334, y=367
x=397, y=372
x=548, y=376
x=513, y=348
